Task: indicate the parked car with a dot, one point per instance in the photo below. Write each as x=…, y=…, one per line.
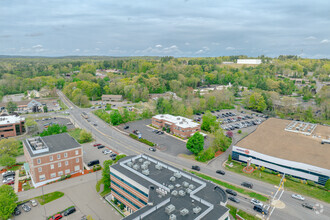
x=299, y=197
x=161, y=132
x=100, y=146
x=8, y=179
x=93, y=162
x=56, y=217
x=152, y=149
x=107, y=151
x=33, y=202
x=69, y=211
x=11, y=182
x=308, y=206
x=196, y=168
x=126, y=127
x=26, y=208
x=247, y=184
x=221, y=172
x=17, y=211
x=256, y=202
x=95, y=124
x=260, y=209
x=234, y=199
x=95, y=145
x=231, y=192
x=8, y=174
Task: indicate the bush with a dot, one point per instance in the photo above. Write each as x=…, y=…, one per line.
x=122, y=206
x=310, y=182
x=142, y=140
x=262, y=168
x=205, y=155
x=115, y=201
x=288, y=177
x=239, y=131
x=96, y=167
x=327, y=184
x=229, y=157
x=295, y=180
x=268, y=171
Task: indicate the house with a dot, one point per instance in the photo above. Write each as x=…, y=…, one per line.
x=11, y=125
x=34, y=106
x=33, y=94
x=49, y=158
x=112, y=98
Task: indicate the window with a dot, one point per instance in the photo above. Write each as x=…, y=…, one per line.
x=42, y=177
x=65, y=154
x=77, y=160
x=66, y=163
x=39, y=161
x=58, y=156
x=52, y=166
x=77, y=152
x=76, y=168
x=59, y=164
x=60, y=173
x=53, y=175
x=40, y=169
x=51, y=158
x=67, y=171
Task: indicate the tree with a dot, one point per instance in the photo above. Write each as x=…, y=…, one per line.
x=122, y=206
x=8, y=200
x=256, y=102
x=115, y=118
x=85, y=136
x=220, y=141
x=327, y=184
x=7, y=161
x=9, y=146
x=45, y=108
x=209, y=122
x=54, y=129
x=229, y=134
x=11, y=107
x=195, y=144
x=106, y=173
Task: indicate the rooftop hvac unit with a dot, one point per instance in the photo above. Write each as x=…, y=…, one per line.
x=185, y=184
x=184, y=212
x=191, y=186
x=144, y=166
x=145, y=172
x=147, y=162
x=172, y=179
x=158, y=167
x=136, y=166
x=177, y=185
x=197, y=209
x=172, y=217
x=177, y=175
x=140, y=160
x=174, y=193
x=130, y=164
x=169, y=209
x=182, y=193
x=171, y=187
x=188, y=191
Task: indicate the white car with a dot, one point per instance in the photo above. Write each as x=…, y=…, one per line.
x=33, y=202
x=107, y=151
x=299, y=197
x=256, y=202
x=8, y=179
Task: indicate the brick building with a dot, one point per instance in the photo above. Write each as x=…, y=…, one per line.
x=48, y=158
x=11, y=125
x=151, y=189
x=181, y=126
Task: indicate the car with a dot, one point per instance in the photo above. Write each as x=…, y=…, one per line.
x=212, y=111
x=11, y=182
x=107, y=151
x=154, y=131
x=260, y=209
x=152, y=149
x=93, y=162
x=69, y=211
x=126, y=127
x=8, y=173
x=33, y=202
x=256, y=202
x=220, y=172
x=231, y=192
x=247, y=185
x=161, y=132
x=196, y=168
x=100, y=146
x=308, y=206
x=17, y=211
x=95, y=145
x=233, y=199
x=95, y=124
x=299, y=197
x=8, y=179
x=26, y=208
x=56, y=217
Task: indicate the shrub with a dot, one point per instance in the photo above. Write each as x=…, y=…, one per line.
x=262, y=168
x=68, y=176
x=268, y=171
x=327, y=184
x=295, y=180
x=142, y=140
x=205, y=155
x=239, y=131
x=121, y=206
x=164, y=129
x=115, y=201
x=229, y=157
x=310, y=182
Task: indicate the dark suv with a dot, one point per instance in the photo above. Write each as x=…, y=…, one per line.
x=69, y=211
x=247, y=184
x=196, y=168
x=259, y=208
x=93, y=162
x=231, y=192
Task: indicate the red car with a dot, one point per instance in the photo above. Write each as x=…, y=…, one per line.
x=56, y=217
x=10, y=182
x=95, y=145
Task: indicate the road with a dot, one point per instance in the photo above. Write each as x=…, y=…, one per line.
x=123, y=143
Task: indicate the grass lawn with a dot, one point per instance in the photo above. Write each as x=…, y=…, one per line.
x=49, y=197
x=300, y=188
x=229, y=186
x=98, y=185
x=245, y=215
x=14, y=168
x=75, y=133
x=105, y=192
x=27, y=186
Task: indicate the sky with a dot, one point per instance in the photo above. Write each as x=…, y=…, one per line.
x=180, y=28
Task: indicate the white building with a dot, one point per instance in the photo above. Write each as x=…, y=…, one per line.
x=249, y=61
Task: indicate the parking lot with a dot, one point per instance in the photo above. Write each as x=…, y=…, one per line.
x=93, y=153
x=44, y=122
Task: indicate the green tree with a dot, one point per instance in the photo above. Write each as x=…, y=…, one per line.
x=85, y=136
x=195, y=144
x=209, y=122
x=122, y=206
x=256, y=102
x=88, y=68
x=8, y=200
x=327, y=184
x=220, y=141
x=106, y=173
x=45, y=108
x=9, y=146
x=54, y=129
x=11, y=107
x=115, y=117
x=7, y=160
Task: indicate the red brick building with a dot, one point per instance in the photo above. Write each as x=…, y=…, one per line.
x=181, y=126
x=48, y=158
x=11, y=125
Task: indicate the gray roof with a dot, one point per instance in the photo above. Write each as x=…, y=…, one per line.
x=33, y=102
x=208, y=193
x=55, y=143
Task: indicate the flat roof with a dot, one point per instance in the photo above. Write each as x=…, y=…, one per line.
x=177, y=120
x=54, y=143
x=205, y=195
x=272, y=139
x=11, y=119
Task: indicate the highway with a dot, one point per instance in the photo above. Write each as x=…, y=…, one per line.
x=292, y=209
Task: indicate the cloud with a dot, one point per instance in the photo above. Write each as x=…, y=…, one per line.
x=310, y=38
x=158, y=46
x=187, y=43
x=325, y=41
x=230, y=48
x=203, y=50
x=37, y=46
x=77, y=50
